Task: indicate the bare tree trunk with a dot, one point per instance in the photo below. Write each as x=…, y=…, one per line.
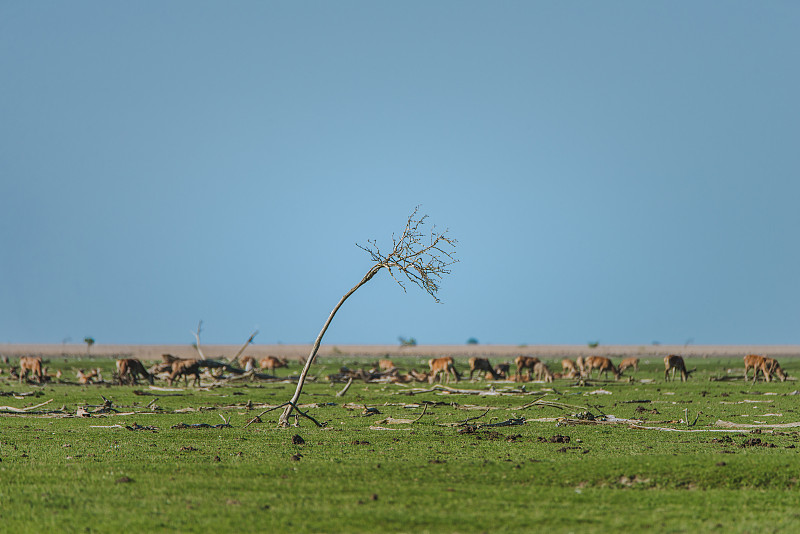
x=292, y=404
x=197, y=337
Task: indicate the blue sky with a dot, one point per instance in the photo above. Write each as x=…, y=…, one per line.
x=622, y=172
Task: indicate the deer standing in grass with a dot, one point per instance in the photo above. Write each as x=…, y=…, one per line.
x=628, y=363
x=128, y=369
x=541, y=372
x=386, y=365
x=767, y=366
x=32, y=364
x=483, y=367
x=444, y=365
x=603, y=365
x=185, y=368
x=570, y=368
x=272, y=363
x=525, y=362
x=674, y=363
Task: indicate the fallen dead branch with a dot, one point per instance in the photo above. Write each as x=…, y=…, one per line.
x=743, y=426
x=12, y=409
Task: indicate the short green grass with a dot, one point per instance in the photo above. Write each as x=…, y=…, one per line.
x=81, y=474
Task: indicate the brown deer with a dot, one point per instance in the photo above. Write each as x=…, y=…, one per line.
x=674, y=363
x=32, y=364
x=502, y=370
x=627, y=363
x=483, y=367
x=444, y=365
x=386, y=365
x=767, y=366
x=91, y=377
x=581, y=363
x=541, y=372
x=773, y=366
x=570, y=368
x=129, y=369
x=525, y=362
x=185, y=368
x=603, y=365
x=272, y=363
x=419, y=377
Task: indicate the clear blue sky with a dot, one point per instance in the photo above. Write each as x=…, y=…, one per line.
x=622, y=172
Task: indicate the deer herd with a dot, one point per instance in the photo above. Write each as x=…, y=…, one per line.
x=172, y=369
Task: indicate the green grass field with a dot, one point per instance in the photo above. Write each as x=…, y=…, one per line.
x=426, y=462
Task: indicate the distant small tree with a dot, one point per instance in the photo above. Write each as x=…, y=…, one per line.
x=593, y=344
x=89, y=340
x=472, y=341
x=420, y=258
x=410, y=342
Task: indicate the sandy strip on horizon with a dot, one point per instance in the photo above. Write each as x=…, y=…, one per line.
x=154, y=352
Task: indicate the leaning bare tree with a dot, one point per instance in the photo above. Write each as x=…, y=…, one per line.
x=416, y=256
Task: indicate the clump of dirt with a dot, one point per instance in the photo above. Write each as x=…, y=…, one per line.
x=554, y=439
x=514, y=438
x=187, y=449
x=296, y=457
x=756, y=442
x=642, y=409
x=357, y=442
x=723, y=439
x=123, y=480
x=297, y=440
x=631, y=481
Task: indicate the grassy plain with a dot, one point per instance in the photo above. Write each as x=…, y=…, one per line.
x=141, y=469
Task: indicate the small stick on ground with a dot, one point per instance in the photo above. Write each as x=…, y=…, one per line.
x=425, y=409
x=465, y=421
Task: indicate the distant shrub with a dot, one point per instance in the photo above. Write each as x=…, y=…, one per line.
x=472, y=341
x=593, y=344
x=410, y=342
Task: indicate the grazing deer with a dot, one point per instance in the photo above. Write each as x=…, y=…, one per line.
x=674, y=362
x=603, y=365
x=419, y=377
x=570, y=368
x=524, y=362
x=272, y=363
x=444, y=365
x=386, y=365
x=581, y=363
x=629, y=362
x=541, y=372
x=91, y=377
x=502, y=370
x=128, y=369
x=773, y=366
x=482, y=365
x=32, y=364
x=767, y=366
x=185, y=368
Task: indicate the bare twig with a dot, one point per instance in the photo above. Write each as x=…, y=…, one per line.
x=425, y=409
x=465, y=421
